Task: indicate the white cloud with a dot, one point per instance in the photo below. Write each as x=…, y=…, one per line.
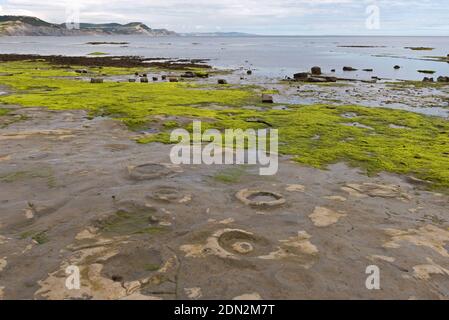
x=266, y=16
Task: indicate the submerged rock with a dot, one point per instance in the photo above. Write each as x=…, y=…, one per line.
x=349, y=69
x=397, y=67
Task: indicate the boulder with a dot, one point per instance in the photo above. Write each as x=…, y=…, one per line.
x=164, y=77
x=426, y=79
x=155, y=78
x=443, y=79
x=397, y=67
x=349, y=69
x=316, y=71
x=266, y=98
x=144, y=80
x=188, y=74
x=333, y=70
x=96, y=80
x=249, y=72
x=222, y=81
x=81, y=71
x=302, y=76
x=368, y=70
x=173, y=79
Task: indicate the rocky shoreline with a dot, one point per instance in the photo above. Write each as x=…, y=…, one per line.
x=87, y=181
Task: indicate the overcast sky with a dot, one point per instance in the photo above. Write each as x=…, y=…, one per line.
x=288, y=17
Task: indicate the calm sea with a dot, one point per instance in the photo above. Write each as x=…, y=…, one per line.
x=269, y=56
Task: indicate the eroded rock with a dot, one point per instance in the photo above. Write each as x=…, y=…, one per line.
x=378, y=190
x=323, y=217
x=425, y=271
x=427, y=236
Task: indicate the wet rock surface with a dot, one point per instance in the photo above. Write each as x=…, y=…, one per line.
x=81, y=192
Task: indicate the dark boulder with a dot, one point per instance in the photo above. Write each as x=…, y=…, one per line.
x=266, y=98
x=164, y=77
x=96, y=80
x=173, y=79
x=222, y=81
x=155, y=78
x=188, y=74
x=426, y=79
x=316, y=71
x=368, y=70
x=249, y=72
x=349, y=69
x=301, y=76
x=443, y=79
x=144, y=80
x=397, y=67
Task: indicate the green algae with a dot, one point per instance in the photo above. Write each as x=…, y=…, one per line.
x=134, y=104
x=315, y=135
x=230, y=175
x=37, y=173
x=97, y=53
x=415, y=145
x=40, y=237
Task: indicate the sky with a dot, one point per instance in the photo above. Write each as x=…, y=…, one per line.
x=269, y=17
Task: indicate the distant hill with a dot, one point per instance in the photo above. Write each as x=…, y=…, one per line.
x=32, y=26
x=218, y=34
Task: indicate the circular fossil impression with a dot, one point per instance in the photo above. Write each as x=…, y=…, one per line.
x=148, y=171
x=258, y=198
x=170, y=194
x=237, y=241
